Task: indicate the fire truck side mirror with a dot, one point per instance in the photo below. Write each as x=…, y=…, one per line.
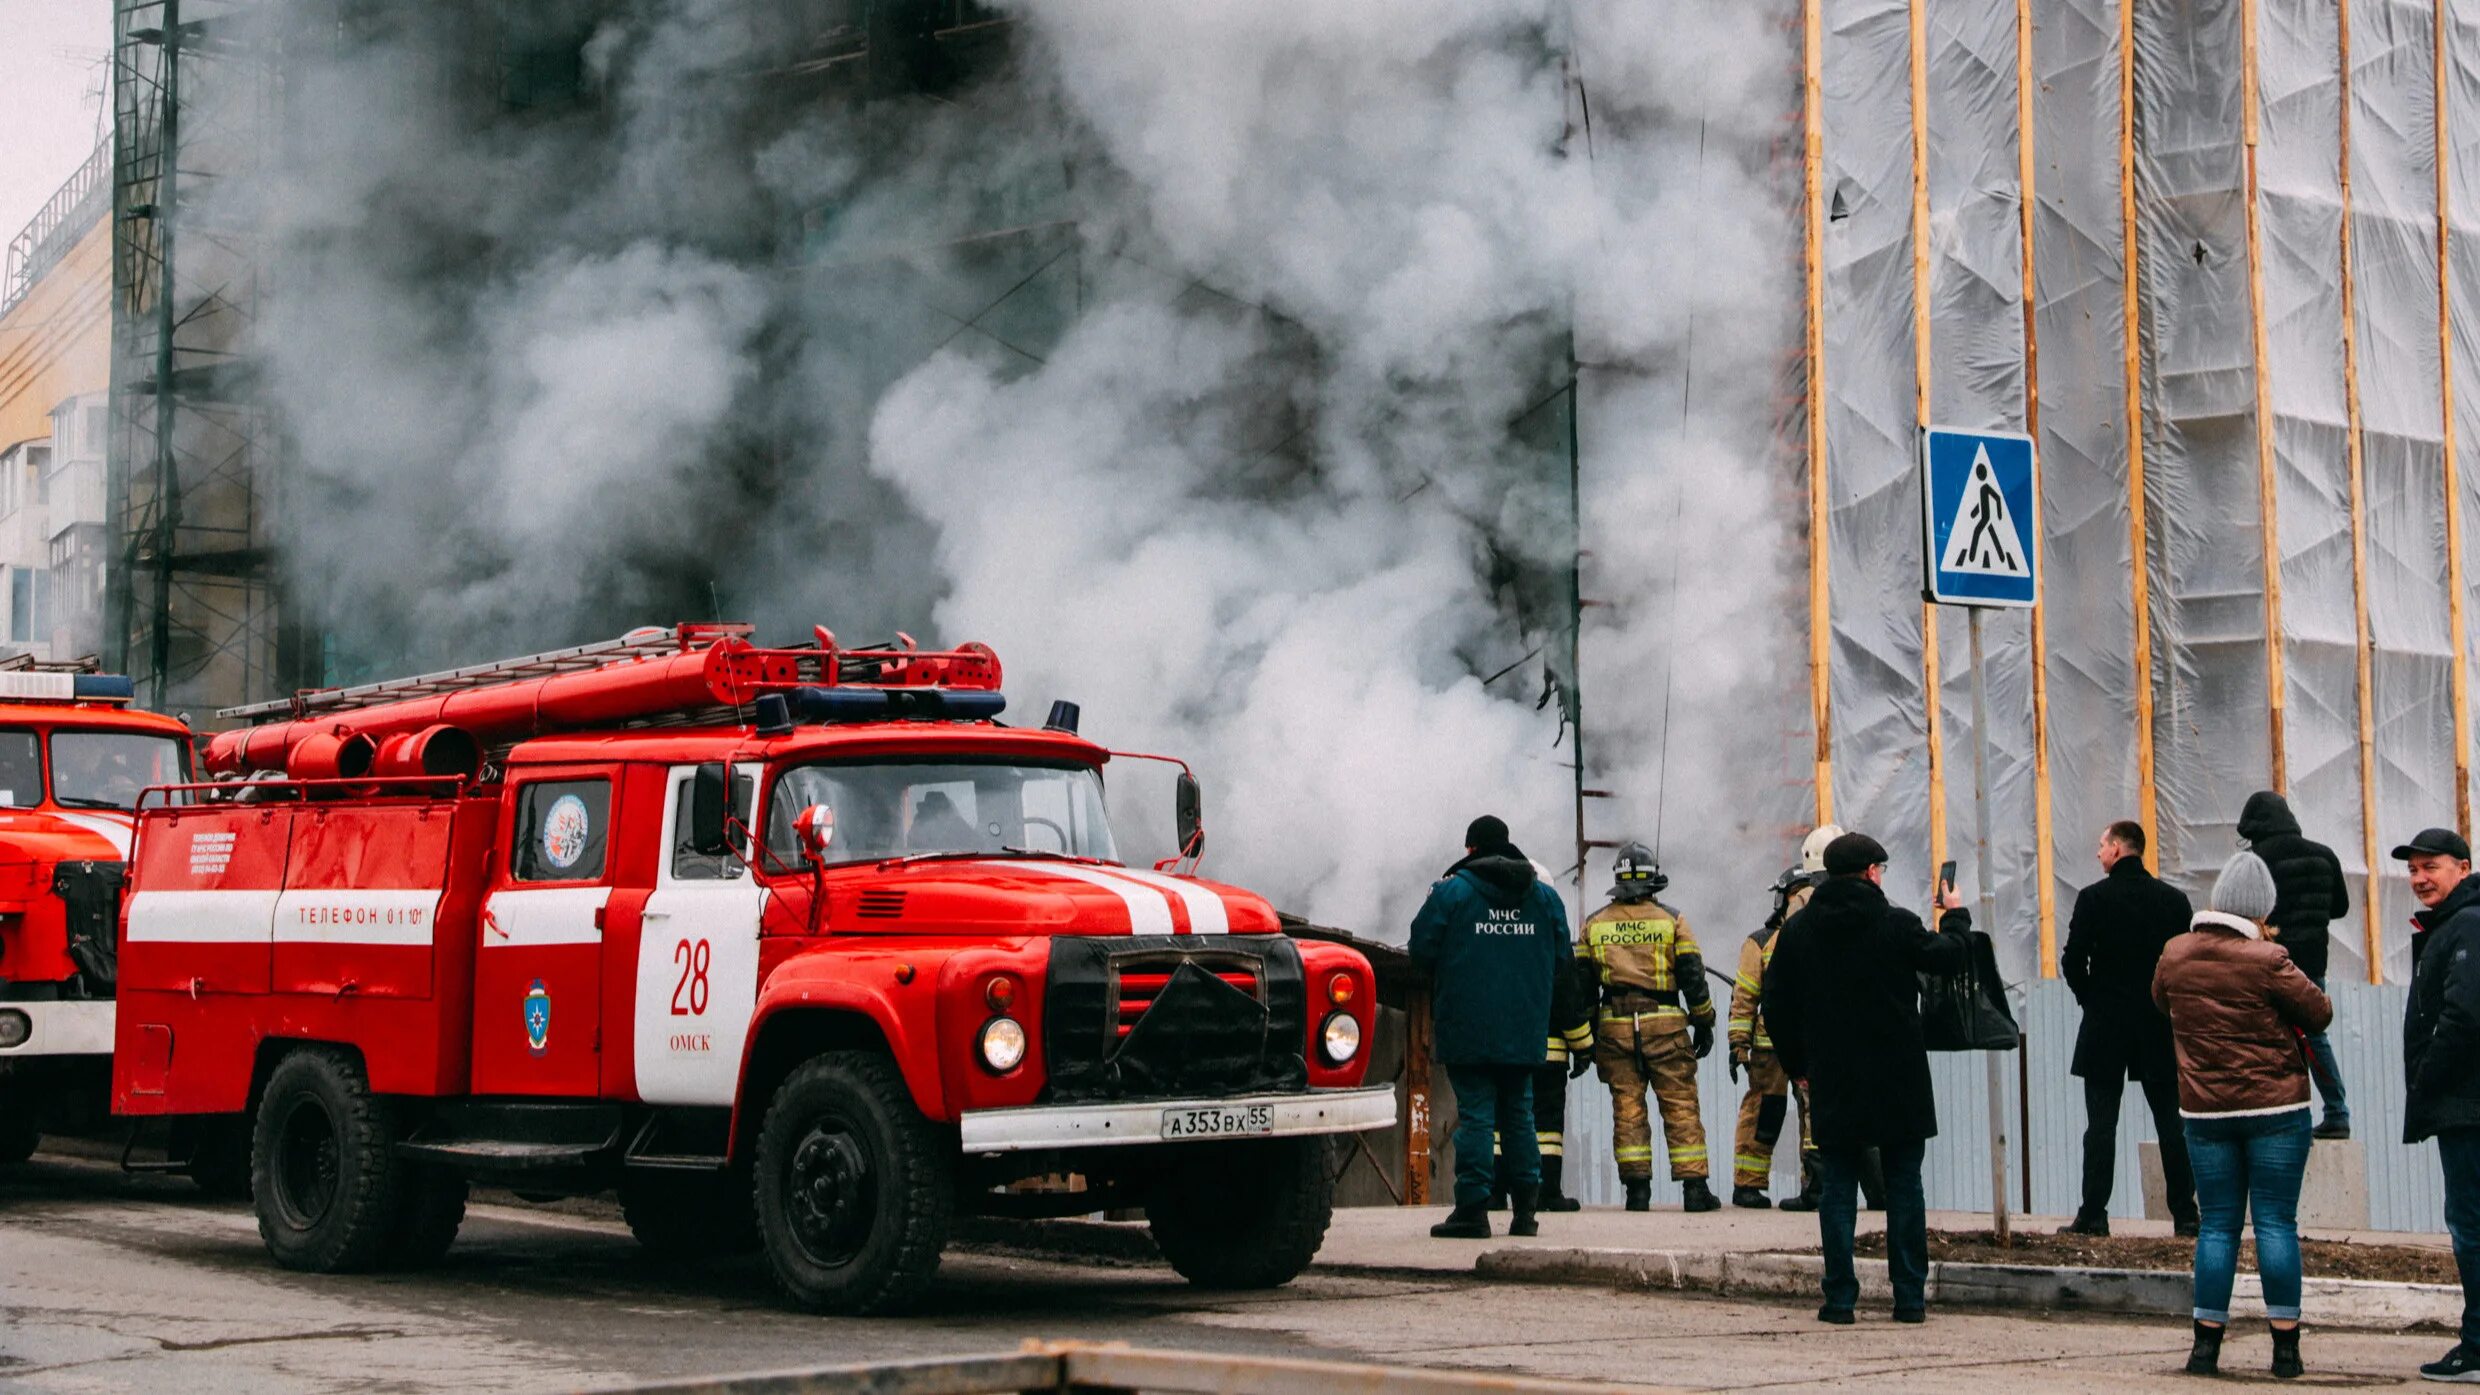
x=709, y=795
x=1189, y=804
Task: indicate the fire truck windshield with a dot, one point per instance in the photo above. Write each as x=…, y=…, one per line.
x=903, y=809
x=109, y=769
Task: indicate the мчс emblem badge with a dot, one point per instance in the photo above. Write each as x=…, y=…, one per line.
x=538, y=1018
x=565, y=831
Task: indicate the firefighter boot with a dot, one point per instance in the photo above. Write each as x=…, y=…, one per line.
x=1640, y=1194
x=1463, y=1223
x=1807, y=1199
x=1694, y=1195
x=1553, y=1172
x=1751, y=1198
x=1524, y=1201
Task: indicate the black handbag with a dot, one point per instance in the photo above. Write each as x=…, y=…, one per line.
x=1966, y=1010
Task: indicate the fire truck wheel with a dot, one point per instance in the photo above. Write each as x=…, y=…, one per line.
x=18, y=1135
x=855, y=1190
x=693, y=1215
x=323, y=1165
x=1245, y=1214
x=426, y=1219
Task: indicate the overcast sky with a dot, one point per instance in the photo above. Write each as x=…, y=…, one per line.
x=52, y=62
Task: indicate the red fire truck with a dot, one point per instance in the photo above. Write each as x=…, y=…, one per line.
x=797, y=948
x=73, y=762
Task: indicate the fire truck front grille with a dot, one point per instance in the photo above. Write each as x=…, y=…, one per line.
x=1137, y=1016
x=880, y=905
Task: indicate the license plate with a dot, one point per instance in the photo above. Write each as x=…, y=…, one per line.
x=1219, y=1121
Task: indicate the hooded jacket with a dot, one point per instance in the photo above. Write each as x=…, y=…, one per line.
x=2237, y=1006
x=1842, y=999
x=2309, y=892
x=2441, y=1018
x=1493, y=938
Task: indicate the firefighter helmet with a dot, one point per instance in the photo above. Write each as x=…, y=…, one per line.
x=1813, y=847
x=1637, y=876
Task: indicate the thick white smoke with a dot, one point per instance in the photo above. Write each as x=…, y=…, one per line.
x=1283, y=486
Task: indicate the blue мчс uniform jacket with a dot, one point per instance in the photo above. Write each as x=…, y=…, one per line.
x=1493, y=938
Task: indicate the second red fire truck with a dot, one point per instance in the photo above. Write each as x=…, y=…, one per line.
x=798, y=948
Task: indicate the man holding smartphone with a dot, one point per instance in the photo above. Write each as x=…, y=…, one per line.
x=1843, y=998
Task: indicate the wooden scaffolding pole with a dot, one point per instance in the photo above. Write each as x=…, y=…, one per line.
x=1932, y=688
x=2045, y=856
x=1820, y=600
x=2139, y=575
x=2276, y=689
x=2454, y=467
x=2370, y=913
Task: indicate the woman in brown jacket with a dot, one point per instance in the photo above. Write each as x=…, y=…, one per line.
x=2238, y=1009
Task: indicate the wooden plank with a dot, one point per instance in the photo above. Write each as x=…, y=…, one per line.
x=2045, y=857
x=2443, y=55
x=2140, y=585
x=1932, y=686
x=1820, y=600
x=2276, y=689
x=2371, y=913
x=1416, y=1097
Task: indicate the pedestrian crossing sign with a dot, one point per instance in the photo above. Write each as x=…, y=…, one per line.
x=1977, y=506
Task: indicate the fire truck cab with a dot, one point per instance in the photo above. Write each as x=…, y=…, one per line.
x=799, y=949
x=74, y=760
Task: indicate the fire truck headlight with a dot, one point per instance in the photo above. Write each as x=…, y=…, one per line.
x=1003, y=1044
x=15, y=1027
x=1340, y=1038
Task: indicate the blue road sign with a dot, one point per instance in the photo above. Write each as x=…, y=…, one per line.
x=1977, y=505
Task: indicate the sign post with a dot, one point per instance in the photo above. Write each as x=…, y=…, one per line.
x=1979, y=551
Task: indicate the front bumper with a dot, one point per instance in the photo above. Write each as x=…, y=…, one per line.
x=1140, y=1121
x=70, y=1028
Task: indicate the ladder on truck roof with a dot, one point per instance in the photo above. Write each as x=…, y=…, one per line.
x=646, y=642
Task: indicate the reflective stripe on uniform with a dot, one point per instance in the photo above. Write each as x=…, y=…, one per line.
x=1688, y=1155
x=1626, y=1154
x=1552, y=1145
x=1655, y=1015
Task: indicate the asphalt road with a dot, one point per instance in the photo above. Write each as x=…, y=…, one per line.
x=113, y=1283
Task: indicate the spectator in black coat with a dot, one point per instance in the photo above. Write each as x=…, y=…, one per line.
x=1842, y=999
x=2114, y=941
x=2441, y=1058
x=2309, y=895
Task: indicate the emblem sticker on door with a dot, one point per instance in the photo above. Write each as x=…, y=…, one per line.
x=538, y=1018
x=565, y=831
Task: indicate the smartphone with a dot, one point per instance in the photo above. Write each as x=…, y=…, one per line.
x=1946, y=878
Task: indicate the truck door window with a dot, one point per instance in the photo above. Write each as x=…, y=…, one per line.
x=563, y=831
x=688, y=865
x=21, y=770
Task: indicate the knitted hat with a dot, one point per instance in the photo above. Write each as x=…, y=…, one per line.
x=1852, y=854
x=2245, y=888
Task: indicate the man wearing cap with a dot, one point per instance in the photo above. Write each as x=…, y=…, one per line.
x=1493, y=939
x=2441, y=1058
x=1843, y=997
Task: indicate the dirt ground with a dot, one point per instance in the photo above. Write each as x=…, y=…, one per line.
x=2322, y=1259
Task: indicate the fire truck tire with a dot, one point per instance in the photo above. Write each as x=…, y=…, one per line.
x=855, y=1189
x=324, y=1173
x=18, y=1135
x=1246, y=1214
x=697, y=1215
x=427, y=1218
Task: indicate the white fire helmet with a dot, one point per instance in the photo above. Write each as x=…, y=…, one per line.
x=1813, y=847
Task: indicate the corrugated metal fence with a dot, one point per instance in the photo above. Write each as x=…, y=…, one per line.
x=2403, y=1186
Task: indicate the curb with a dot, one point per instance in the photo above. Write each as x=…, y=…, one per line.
x=2340, y=1303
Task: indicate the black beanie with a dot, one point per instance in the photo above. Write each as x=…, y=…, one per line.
x=1852, y=854
x=1486, y=832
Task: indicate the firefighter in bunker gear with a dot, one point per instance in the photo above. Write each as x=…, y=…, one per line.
x=1771, y=1090
x=1570, y=1052
x=1655, y=1021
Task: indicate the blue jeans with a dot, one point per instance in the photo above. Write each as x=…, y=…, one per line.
x=2328, y=1074
x=1907, y=1223
x=1493, y=1100
x=2459, y=1150
x=2248, y=1165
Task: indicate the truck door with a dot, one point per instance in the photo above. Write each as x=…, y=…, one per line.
x=697, y=959
x=538, y=973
